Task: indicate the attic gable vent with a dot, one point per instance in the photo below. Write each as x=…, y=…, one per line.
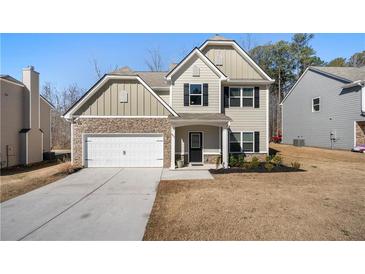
x=123, y=96
x=196, y=71
x=219, y=58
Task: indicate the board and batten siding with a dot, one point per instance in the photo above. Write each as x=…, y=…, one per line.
x=234, y=65
x=164, y=94
x=339, y=109
x=185, y=75
x=106, y=101
x=250, y=118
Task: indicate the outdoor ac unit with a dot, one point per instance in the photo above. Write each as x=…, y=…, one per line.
x=298, y=142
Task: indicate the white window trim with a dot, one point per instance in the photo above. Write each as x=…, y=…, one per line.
x=314, y=111
x=241, y=142
x=229, y=97
x=241, y=96
x=201, y=95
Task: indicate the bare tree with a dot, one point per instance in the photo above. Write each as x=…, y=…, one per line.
x=60, y=129
x=248, y=43
x=99, y=71
x=154, y=62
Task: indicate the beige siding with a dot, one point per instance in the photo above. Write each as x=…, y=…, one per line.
x=211, y=139
x=234, y=65
x=11, y=121
x=45, y=113
x=164, y=94
x=251, y=119
x=186, y=76
x=105, y=102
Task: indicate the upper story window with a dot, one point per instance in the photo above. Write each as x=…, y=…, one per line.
x=195, y=95
x=241, y=97
x=316, y=104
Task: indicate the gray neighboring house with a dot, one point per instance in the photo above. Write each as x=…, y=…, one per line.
x=25, y=120
x=212, y=104
x=326, y=108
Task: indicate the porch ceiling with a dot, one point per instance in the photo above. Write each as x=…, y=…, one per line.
x=213, y=119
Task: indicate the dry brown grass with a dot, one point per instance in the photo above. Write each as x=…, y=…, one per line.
x=326, y=202
x=20, y=180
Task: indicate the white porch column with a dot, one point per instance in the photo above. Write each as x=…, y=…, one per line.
x=225, y=147
x=172, y=152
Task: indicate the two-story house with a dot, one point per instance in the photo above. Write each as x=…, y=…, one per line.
x=212, y=104
x=326, y=108
x=25, y=120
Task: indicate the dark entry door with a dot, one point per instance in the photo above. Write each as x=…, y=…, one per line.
x=195, y=147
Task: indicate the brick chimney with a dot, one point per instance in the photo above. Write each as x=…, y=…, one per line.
x=31, y=81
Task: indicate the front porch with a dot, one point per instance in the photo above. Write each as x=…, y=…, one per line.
x=199, y=141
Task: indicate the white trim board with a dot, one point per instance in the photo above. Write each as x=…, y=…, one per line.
x=241, y=52
x=200, y=55
x=70, y=112
x=120, y=117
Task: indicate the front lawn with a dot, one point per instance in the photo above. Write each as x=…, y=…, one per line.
x=324, y=202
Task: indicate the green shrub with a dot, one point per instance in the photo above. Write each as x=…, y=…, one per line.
x=295, y=165
x=233, y=161
x=241, y=160
x=255, y=162
x=268, y=158
x=247, y=165
x=276, y=160
x=269, y=166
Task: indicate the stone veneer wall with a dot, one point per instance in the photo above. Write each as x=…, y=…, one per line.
x=120, y=125
x=360, y=133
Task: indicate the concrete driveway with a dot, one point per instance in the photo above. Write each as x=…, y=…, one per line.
x=92, y=204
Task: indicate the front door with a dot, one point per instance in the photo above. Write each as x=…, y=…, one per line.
x=195, y=147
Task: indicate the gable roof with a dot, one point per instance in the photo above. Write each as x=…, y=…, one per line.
x=344, y=74
x=48, y=102
x=205, y=59
x=155, y=79
x=102, y=81
x=11, y=79
x=240, y=50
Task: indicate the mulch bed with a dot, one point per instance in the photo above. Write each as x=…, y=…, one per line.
x=260, y=169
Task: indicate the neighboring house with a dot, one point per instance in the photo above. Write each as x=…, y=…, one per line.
x=25, y=120
x=212, y=104
x=326, y=108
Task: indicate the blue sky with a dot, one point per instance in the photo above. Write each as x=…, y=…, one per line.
x=63, y=59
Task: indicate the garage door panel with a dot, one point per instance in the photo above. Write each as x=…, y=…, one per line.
x=124, y=151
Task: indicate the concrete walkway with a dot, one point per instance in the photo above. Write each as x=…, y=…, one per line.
x=92, y=204
x=186, y=174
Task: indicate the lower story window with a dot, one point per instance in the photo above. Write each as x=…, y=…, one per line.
x=241, y=142
x=247, y=141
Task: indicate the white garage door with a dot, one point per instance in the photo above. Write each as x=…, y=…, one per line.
x=132, y=150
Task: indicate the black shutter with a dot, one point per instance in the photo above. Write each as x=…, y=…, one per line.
x=257, y=97
x=205, y=94
x=226, y=97
x=186, y=95
x=257, y=141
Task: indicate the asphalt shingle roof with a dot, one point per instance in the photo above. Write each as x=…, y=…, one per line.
x=12, y=79
x=152, y=78
x=348, y=73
